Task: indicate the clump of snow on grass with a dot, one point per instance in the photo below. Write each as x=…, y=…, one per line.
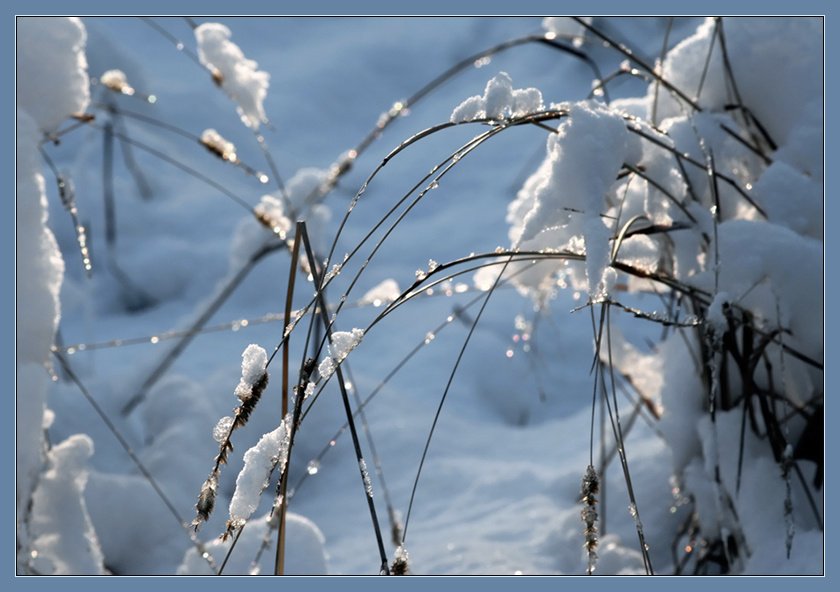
x=254, y=360
x=584, y=156
x=271, y=210
x=341, y=344
x=383, y=293
x=222, y=429
x=260, y=461
x=326, y=368
x=52, y=82
x=366, y=477
x=214, y=141
x=499, y=101
x=116, y=81
x=566, y=196
x=240, y=78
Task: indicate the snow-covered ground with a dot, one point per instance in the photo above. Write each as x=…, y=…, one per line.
x=565, y=169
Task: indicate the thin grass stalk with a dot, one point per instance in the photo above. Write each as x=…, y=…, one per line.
x=174, y=40
x=458, y=312
x=684, y=157
x=281, y=528
x=128, y=156
x=284, y=195
x=447, y=166
x=358, y=246
x=707, y=61
x=634, y=509
x=396, y=528
x=401, y=106
x=445, y=393
x=230, y=551
x=108, y=185
x=316, y=274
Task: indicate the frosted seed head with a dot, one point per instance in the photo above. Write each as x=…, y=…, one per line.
x=222, y=429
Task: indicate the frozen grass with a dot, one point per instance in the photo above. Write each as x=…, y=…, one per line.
x=651, y=206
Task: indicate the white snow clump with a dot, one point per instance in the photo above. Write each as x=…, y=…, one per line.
x=254, y=360
x=500, y=101
x=343, y=342
x=52, y=82
x=253, y=479
x=237, y=75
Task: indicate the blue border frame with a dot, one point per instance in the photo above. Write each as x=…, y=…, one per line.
x=430, y=7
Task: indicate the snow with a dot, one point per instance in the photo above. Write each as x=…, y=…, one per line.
x=593, y=140
x=238, y=76
x=499, y=101
x=116, y=80
x=55, y=535
x=305, y=556
x=343, y=342
x=501, y=483
x=60, y=527
x=254, y=360
x=51, y=52
x=384, y=292
x=217, y=144
x=260, y=460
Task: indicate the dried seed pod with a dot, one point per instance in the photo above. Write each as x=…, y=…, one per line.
x=206, y=500
x=589, y=515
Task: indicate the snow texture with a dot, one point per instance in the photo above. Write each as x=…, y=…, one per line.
x=222, y=429
x=254, y=360
x=499, y=102
x=50, y=54
x=54, y=533
x=260, y=460
x=569, y=190
x=341, y=344
x=240, y=78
